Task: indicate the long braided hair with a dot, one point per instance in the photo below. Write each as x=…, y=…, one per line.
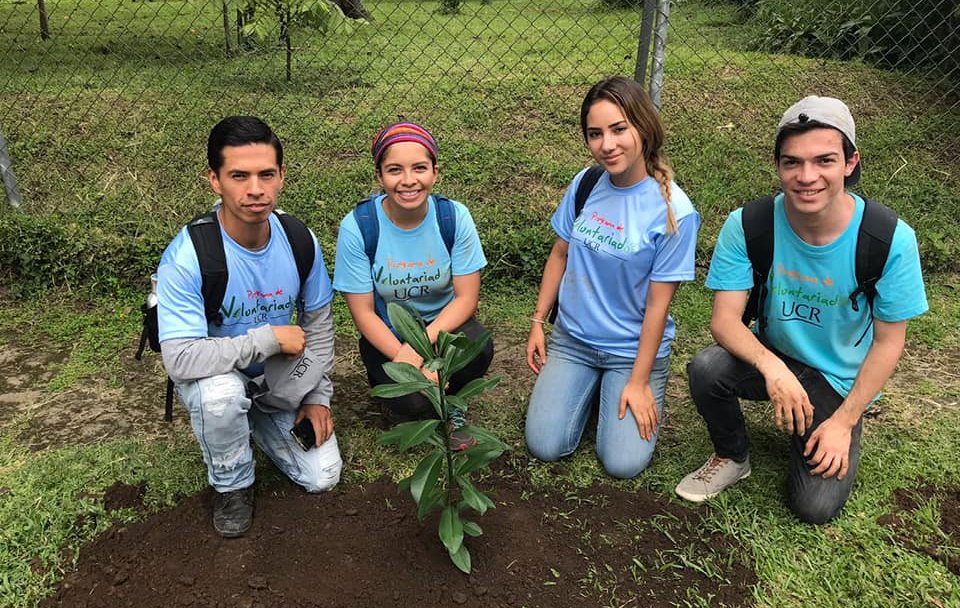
x=636, y=106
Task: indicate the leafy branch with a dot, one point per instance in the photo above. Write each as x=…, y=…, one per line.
x=442, y=478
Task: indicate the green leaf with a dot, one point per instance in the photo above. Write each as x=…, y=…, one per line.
x=403, y=372
x=424, y=479
x=433, y=394
x=429, y=501
x=389, y=391
x=469, y=353
x=398, y=433
x=476, y=499
x=444, y=340
x=478, y=457
x=456, y=401
x=461, y=559
x=404, y=484
x=485, y=437
x=420, y=433
x=410, y=329
x=433, y=364
x=451, y=529
x=477, y=386
x=471, y=529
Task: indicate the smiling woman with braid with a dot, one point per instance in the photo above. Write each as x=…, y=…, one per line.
x=614, y=267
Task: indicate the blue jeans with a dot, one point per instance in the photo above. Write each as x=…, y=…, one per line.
x=224, y=417
x=717, y=379
x=563, y=397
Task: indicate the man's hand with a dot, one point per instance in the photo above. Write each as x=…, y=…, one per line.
x=828, y=449
x=291, y=339
x=638, y=396
x=320, y=417
x=791, y=406
x=537, y=348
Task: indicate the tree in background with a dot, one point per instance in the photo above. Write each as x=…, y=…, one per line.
x=262, y=18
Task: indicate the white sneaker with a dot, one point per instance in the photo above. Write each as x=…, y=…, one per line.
x=716, y=475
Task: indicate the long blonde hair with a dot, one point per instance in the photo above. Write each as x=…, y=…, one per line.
x=633, y=101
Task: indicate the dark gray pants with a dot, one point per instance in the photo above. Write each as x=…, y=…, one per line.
x=717, y=379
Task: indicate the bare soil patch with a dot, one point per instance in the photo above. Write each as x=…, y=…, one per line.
x=903, y=521
x=363, y=546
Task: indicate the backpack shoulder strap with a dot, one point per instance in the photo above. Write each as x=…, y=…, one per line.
x=757, y=220
x=300, y=242
x=447, y=220
x=204, y=232
x=365, y=215
x=585, y=187
x=873, y=247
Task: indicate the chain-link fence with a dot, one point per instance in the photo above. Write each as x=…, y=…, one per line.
x=61, y=60
x=106, y=100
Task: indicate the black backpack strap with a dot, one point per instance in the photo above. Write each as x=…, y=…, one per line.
x=584, y=188
x=757, y=220
x=446, y=220
x=301, y=243
x=204, y=231
x=873, y=247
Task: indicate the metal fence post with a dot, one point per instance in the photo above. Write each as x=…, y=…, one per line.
x=643, y=47
x=6, y=172
x=659, y=51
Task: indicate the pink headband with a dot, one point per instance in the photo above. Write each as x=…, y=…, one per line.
x=402, y=131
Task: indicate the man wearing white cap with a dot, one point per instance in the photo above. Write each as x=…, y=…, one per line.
x=826, y=339
x=248, y=370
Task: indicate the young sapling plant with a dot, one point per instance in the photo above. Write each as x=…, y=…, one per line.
x=441, y=480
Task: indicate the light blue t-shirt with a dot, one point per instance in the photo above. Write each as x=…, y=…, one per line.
x=411, y=267
x=617, y=245
x=262, y=287
x=809, y=314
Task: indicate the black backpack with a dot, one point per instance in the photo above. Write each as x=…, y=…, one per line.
x=584, y=188
x=204, y=232
x=873, y=246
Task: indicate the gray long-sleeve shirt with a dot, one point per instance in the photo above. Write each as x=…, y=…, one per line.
x=194, y=358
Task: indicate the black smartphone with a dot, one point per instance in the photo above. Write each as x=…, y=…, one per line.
x=304, y=434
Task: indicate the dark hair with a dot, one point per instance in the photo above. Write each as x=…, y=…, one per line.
x=239, y=131
x=630, y=96
x=797, y=128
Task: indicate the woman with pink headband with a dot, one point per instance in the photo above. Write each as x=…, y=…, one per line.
x=408, y=246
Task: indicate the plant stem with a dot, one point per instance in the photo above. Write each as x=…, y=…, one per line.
x=445, y=440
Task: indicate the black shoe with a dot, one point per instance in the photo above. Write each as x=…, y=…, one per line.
x=233, y=512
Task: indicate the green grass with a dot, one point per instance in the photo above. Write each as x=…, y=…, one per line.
x=106, y=123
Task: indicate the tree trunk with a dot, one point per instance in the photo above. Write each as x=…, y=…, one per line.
x=354, y=9
x=44, y=24
x=226, y=29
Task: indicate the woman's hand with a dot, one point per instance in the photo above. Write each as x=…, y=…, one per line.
x=638, y=396
x=536, y=348
x=406, y=354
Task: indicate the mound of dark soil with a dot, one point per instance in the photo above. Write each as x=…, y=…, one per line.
x=363, y=546
x=907, y=502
